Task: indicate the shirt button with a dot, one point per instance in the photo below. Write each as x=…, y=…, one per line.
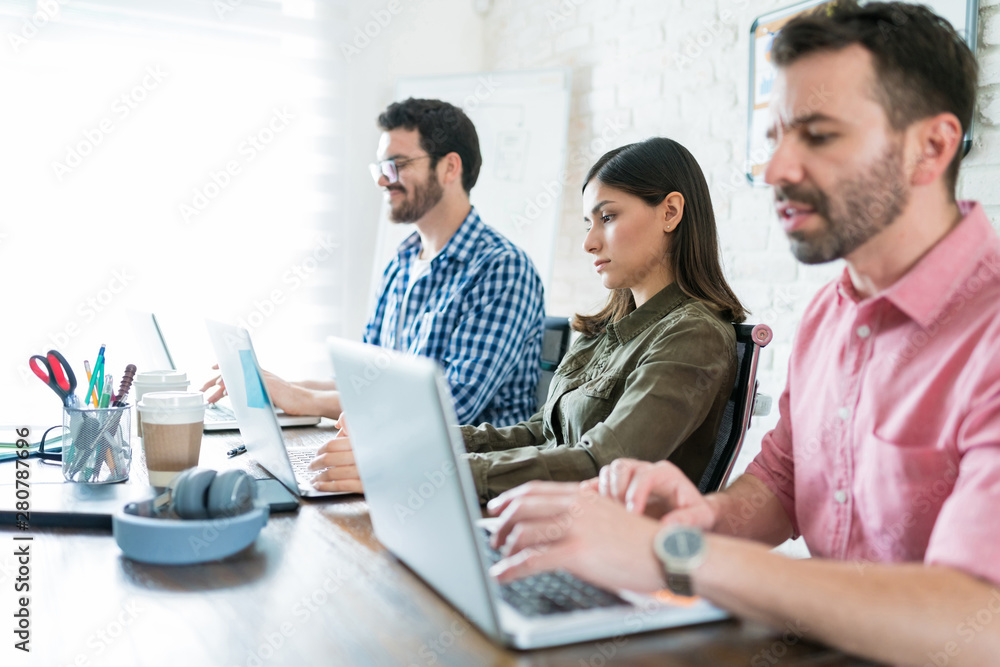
x=844, y=413
x=840, y=496
x=864, y=331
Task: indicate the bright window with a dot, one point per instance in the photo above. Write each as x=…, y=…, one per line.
x=167, y=156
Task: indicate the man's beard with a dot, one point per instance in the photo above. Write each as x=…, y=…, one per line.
x=865, y=205
x=421, y=199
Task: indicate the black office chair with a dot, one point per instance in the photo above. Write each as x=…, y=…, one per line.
x=555, y=342
x=743, y=403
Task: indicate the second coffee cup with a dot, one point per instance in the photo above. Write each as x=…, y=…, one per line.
x=172, y=427
x=148, y=381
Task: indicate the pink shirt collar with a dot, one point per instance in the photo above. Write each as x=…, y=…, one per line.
x=924, y=291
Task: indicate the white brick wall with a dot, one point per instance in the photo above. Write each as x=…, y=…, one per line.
x=678, y=68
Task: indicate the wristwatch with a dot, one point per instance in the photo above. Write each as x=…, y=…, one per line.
x=681, y=549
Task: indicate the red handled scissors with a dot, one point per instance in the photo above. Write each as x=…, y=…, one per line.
x=55, y=371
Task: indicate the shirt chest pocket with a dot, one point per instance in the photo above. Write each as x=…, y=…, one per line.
x=602, y=387
x=590, y=402
x=903, y=485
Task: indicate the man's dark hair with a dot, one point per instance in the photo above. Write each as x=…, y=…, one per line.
x=443, y=127
x=922, y=66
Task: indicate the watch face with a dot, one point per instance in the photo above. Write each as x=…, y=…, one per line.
x=683, y=543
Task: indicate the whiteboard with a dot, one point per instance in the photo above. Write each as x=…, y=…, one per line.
x=962, y=14
x=522, y=119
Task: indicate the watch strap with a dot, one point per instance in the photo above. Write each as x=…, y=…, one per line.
x=679, y=584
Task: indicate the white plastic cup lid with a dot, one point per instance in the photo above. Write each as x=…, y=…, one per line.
x=161, y=377
x=172, y=400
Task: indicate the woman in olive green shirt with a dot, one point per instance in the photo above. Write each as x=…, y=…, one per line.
x=649, y=376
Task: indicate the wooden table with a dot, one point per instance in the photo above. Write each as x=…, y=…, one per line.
x=316, y=588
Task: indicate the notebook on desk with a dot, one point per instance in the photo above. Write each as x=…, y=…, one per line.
x=217, y=417
x=255, y=414
x=425, y=510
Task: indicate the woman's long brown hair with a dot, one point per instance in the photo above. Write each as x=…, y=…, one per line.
x=651, y=170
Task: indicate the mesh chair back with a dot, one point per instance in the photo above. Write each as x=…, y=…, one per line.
x=555, y=342
x=736, y=416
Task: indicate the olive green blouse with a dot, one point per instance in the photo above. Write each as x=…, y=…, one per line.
x=652, y=387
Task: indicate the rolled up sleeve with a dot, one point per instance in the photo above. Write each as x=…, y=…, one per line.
x=775, y=464
x=489, y=438
x=966, y=534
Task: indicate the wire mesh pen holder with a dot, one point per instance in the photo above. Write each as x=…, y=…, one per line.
x=96, y=444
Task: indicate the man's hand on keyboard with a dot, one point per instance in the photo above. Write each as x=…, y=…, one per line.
x=295, y=398
x=556, y=525
x=335, y=461
x=289, y=396
x=217, y=385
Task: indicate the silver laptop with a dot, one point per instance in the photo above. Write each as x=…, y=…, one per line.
x=424, y=509
x=257, y=421
x=218, y=417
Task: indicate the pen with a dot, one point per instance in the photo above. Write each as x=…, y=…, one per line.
x=106, y=394
x=99, y=370
x=98, y=365
x=236, y=451
x=90, y=394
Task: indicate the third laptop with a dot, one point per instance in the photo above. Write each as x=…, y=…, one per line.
x=425, y=510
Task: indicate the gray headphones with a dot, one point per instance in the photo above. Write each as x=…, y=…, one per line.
x=202, y=516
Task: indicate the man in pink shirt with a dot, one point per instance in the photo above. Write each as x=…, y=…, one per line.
x=886, y=456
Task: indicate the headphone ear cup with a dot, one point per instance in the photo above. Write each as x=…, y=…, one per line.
x=190, y=493
x=231, y=493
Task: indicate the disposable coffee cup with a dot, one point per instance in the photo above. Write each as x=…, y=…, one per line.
x=148, y=381
x=172, y=426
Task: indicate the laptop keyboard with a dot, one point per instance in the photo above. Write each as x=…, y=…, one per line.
x=300, y=459
x=219, y=413
x=552, y=592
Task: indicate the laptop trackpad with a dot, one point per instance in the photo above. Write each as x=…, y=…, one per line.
x=276, y=495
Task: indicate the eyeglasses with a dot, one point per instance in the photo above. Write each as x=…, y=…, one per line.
x=390, y=168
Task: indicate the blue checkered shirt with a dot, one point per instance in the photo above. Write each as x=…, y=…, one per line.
x=478, y=311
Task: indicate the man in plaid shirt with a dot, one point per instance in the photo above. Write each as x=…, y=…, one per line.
x=476, y=307
x=456, y=291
